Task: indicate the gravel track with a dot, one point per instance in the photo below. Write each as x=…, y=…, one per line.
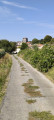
x=14, y=105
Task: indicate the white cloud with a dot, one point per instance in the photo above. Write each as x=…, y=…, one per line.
x=18, y=5
x=7, y=13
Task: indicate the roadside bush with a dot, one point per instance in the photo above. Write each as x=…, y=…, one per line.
x=35, y=47
x=41, y=59
x=35, y=59
x=2, y=52
x=46, y=60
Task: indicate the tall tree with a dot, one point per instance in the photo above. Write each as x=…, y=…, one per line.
x=24, y=46
x=7, y=46
x=34, y=41
x=47, y=38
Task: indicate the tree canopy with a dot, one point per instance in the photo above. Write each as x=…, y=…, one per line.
x=47, y=38
x=52, y=41
x=24, y=46
x=34, y=41
x=7, y=46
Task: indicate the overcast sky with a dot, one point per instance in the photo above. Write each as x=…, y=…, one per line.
x=26, y=18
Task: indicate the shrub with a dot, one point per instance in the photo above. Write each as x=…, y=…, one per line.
x=41, y=59
x=24, y=46
x=2, y=52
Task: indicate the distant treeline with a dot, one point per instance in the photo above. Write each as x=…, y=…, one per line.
x=46, y=39
x=7, y=46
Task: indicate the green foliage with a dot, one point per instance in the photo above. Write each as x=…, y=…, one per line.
x=41, y=41
x=7, y=46
x=2, y=52
x=52, y=41
x=47, y=38
x=41, y=59
x=24, y=46
x=41, y=115
x=34, y=41
x=35, y=47
x=44, y=59
x=13, y=46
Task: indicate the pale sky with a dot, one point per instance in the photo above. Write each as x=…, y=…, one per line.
x=26, y=18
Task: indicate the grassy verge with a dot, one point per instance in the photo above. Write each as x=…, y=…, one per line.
x=5, y=65
x=50, y=74
x=40, y=116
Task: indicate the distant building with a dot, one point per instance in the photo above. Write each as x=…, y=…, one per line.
x=25, y=40
x=40, y=46
x=29, y=44
x=19, y=43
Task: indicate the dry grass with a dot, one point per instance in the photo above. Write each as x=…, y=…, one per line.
x=30, y=81
x=30, y=101
x=31, y=90
x=23, y=68
x=5, y=65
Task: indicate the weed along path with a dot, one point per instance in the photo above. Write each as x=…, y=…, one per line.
x=28, y=90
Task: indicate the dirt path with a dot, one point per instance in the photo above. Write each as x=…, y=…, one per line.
x=15, y=106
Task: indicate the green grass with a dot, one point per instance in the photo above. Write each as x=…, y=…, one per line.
x=31, y=90
x=50, y=74
x=40, y=116
x=5, y=65
x=30, y=101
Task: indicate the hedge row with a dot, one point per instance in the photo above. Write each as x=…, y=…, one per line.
x=2, y=52
x=42, y=59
